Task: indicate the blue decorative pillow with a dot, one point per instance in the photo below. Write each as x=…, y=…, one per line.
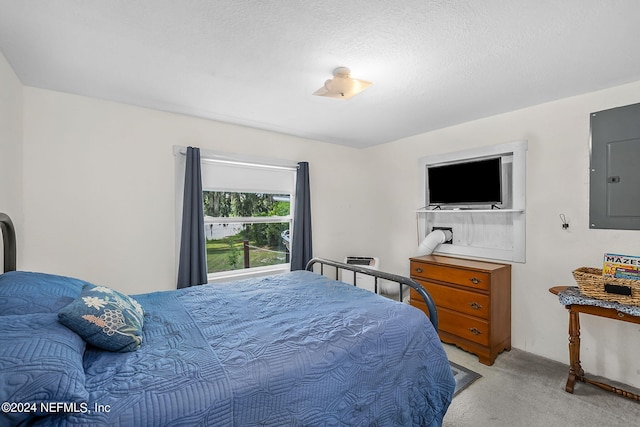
x=40, y=362
x=23, y=292
x=105, y=318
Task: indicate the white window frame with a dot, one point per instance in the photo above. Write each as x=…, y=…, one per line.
x=251, y=271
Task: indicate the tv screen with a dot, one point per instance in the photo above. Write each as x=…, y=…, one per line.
x=476, y=182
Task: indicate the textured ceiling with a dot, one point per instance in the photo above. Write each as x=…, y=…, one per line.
x=433, y=63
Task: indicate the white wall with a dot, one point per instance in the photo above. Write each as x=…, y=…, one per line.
x=11, y=147
x=557, y=182
x=99, y=187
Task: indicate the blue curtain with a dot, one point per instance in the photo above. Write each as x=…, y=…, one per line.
x=192, y=268
x=301, y=248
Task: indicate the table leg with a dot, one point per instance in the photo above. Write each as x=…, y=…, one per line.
x=575, y=369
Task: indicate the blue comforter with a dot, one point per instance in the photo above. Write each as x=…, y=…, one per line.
x=292, y=349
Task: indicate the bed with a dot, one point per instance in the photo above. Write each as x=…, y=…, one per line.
x=293, y=349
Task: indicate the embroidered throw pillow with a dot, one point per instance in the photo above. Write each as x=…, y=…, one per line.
x=105, y=318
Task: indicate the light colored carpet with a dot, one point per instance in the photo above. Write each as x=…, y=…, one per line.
x=522, y=389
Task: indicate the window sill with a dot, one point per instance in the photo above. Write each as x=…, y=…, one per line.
x=227, y=276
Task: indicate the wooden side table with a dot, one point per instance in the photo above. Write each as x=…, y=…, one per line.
x=576, y=373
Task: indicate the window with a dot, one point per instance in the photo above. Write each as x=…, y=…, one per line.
x=246, y=230
x=248, y=214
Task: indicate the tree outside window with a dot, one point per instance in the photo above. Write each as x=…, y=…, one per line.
x=246, y=230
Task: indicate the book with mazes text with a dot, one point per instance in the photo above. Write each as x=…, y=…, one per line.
x=621, y=266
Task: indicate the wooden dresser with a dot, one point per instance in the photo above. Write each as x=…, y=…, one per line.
x=473, y=299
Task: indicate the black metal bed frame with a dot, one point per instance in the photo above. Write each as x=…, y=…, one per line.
x=8, y=242
x=401, y=280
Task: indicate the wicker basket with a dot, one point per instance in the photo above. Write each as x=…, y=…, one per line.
x=593, y=284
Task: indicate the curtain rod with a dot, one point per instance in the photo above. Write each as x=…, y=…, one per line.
x=240, y=160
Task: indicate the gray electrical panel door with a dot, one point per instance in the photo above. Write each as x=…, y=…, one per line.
x=614, y=191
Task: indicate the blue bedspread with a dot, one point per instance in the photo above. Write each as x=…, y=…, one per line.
x=294, y=349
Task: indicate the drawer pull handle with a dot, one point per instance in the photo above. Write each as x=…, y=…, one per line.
x=475, y=331
x=419, y=270
x=475, y=280
x=475, y=305
x=620, y=314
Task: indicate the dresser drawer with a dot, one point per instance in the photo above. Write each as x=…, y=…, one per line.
x=470, y=278
x=464, y=326
x=472, y=303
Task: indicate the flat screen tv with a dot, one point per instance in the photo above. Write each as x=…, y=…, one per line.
x=477, y=182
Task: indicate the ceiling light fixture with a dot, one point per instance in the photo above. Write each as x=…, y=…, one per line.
x=342, y=86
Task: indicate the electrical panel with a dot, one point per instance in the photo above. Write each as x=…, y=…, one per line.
x=614, y=199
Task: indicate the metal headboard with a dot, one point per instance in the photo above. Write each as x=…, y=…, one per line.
x=8, y=242
x=401, y=280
